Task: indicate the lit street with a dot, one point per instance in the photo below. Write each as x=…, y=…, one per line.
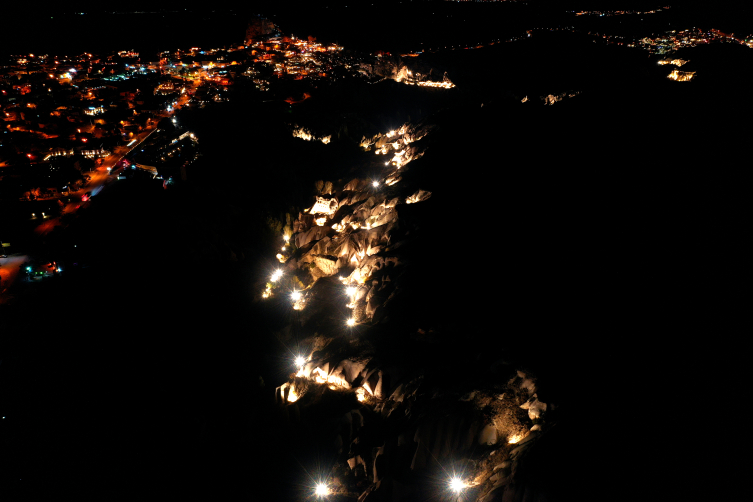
x=9, y=272
x=100, y=178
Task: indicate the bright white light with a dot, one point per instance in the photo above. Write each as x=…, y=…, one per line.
x=322, y=490
x=351, y=290
x=514, y=439
x=351, y=322
x=286, y=237
x=375, y=183
x=276, y=275
x=456, y=484
x=295, y=295
x=300, y=361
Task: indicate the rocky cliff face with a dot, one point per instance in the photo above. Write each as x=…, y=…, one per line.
x=408, y=71
x=390, y=402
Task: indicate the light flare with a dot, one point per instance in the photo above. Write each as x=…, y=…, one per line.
x=456, y=484
x=322, y=490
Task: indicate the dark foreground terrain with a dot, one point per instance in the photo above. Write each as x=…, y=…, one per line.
x=590, y=241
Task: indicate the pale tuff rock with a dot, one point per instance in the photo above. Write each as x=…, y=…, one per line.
x=488, y=435
x=313, y=234
x=324, y=206
x=356, y=185
x=357, y=242
x=535, y=407
x=419, y=196
x=525, y=382
x=553, y=98
x=305, y=134
x=325, y=267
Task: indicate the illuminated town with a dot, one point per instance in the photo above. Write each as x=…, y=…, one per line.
x=409, y=251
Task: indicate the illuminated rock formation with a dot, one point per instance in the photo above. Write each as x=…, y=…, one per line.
x=554, y=98
x=305, y=134
x=346, y=252
x=676, y=62
x=681, y=76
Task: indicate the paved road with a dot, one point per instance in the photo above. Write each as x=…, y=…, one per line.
x=100, y=178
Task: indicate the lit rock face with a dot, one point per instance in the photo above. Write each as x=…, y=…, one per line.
x=351, y=227
x=392, y=420
x=681, y=76
x=408, y=71
x=535, y=407
x=488, y=435
x=554, y=98
x=480, y=421
x=305, y=134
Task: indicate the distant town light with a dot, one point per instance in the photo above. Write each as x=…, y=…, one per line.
x=300, y=361
x=375, y=183
x=351, y=290
x=351, y=322
x=276, y=275
x=295, y=295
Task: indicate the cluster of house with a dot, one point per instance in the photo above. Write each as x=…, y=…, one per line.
x=676, y=39
x=61, y=115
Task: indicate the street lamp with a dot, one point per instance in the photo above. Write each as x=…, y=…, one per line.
x=322, y=490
